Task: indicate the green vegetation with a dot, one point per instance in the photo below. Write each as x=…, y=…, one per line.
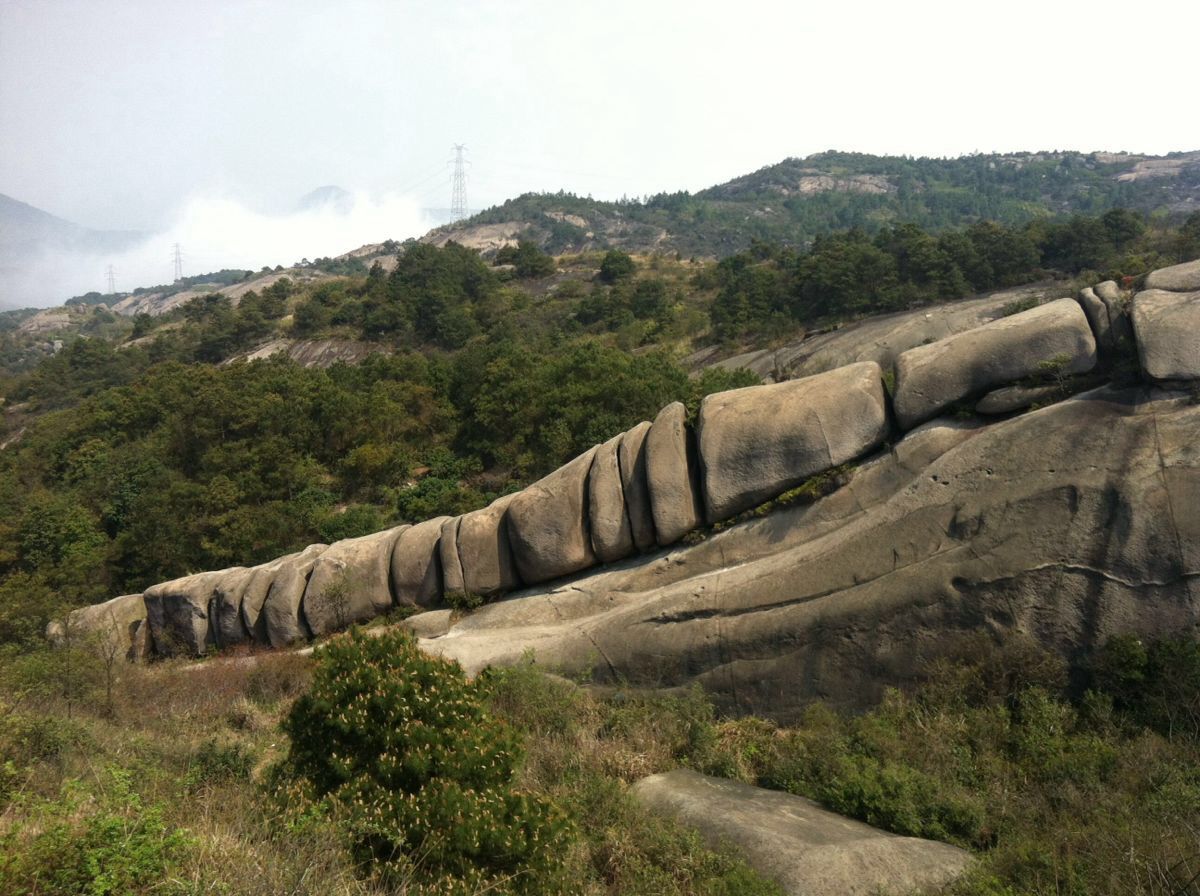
x=188, y=785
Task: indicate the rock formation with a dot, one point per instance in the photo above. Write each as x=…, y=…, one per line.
x=1069, y=522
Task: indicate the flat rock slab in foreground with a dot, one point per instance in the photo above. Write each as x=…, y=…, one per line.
x=807, y=850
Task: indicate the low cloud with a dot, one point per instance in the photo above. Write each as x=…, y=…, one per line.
x=213, y=234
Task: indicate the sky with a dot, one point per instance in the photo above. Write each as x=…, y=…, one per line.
x=142, y=114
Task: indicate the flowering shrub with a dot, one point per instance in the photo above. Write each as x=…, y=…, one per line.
x=398, y=746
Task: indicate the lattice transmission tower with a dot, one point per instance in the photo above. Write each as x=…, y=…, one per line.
x=111, y=276
x=458, y=185
x=178, y=259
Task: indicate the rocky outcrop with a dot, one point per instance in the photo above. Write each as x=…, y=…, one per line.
x=1017, y=398
x=416, y=565
x=807, y=850
x=475, y=551
x=1097, y=316
x=350, y=582
x=548, y=524
x=228, y=626
x=612, y=535
x=178, y=613
x=1179, y=278
x=758, y=442
x=281, y=609
x=117, y=625
x=931, y=378
x=671, y=475
x=1167, y=327
x=635, y=487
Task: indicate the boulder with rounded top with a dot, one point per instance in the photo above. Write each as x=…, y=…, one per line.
x=631, y=455
x=281, y=609
x=350, y=582
x=417, y=566
x=548, y=523
x=672, y=475
x=612, y=538
x=1167, y=327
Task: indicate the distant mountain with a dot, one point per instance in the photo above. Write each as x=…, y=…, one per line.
x=329, y=197
x=798, y=199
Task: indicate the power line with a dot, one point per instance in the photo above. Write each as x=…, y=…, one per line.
x=178, y=263
x=458, y=189
x=112, y=280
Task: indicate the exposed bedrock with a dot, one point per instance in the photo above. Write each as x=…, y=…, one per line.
x=548, y=524
x=281, y=610
x=1178, y=278
x=1097, y=316
x=635, y=486
x=178, y=613
x=1117, y=304
x=612, y=535
x=933, y=377
x=1068, y=524
x=350, y=582
x=475, y=552
x=120, y=624
x=416, y=565
x=672, y=475
x=1167, y=326
x=758, y=442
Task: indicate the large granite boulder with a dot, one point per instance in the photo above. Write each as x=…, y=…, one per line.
x=255, y=595
x=416, y=565
x=283, y=619
x=548, y=523
x=1097, y=314
x=933, y=377
x=807, y=850
x=756, y=443
x=476, y=555
x=612, y=536
x=179, y=614
x=1178, y=278
x=635, y=486
x=1116, y=302
x=1167, y=326
x=350, y=582
x=1067, y=524
x=228, y=625
x=117, y=625
x=672, y=475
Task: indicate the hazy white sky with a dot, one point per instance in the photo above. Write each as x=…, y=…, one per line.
x=116, y=114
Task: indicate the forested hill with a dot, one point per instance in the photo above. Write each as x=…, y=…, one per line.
x=799, y=199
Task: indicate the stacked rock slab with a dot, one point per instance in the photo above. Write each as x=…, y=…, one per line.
x=931, y=378
x=417, y=566
x=178, y=613
x=1097, y=315
x=228, y=626
x=548, y=524
x=475, y=553
x=672, y=475
x=281, y=609
x=1166, y=323
x=119, y=624
x=612, y=535
x=758, y=442
x=635, y=488
x=350, y=582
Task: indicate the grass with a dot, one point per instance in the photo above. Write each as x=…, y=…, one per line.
x=1085, y=794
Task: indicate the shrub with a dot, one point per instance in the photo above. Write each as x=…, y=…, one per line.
x=399, y=747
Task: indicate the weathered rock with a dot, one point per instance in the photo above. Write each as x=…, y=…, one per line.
x=548, y=523
x=1097, y=315
x=756, y=443
x=807, y=850
x=672, y=475
x=1118, y=312
x=1065, y=525
x=228, y=626
x=416, y=565
x=1017, y=398
x=1167, y=326
x=115, y=625
x=1177, y=278
x=881, y=339
x=255, y=596
x=612, y=538
x=350, y=582
x=634, y=486
x=178, y=613
x=476, y=555
x=933, y=377
x=283, y=619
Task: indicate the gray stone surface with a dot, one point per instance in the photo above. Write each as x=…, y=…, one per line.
x=178, y=613
x=634, y=486
x=1118, y=312
x=756, y=443
x=1018, y=398
x=548, y=523
x=612, y=538
x=255, y=596
x=453, y=580
x=228, y=627
x=1067, y=525
x=483, y=552
x=1097, y=315
x=807, y=850
x=350, y=582
x=1167, y=326
x=672, y=475
x=281, y=611
x=1178, y=278
x=416, y=565
x=116, y=624
x=933, y=377
x=881, y=338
